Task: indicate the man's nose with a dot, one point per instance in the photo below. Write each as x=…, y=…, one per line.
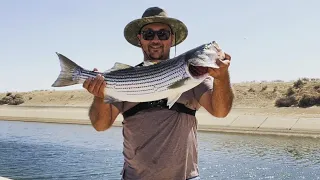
x=156, y=38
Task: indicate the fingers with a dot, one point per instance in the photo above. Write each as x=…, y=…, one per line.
x=101, y=89
x=219, y=62
x=223, y=67
x=225, y=63
x=227, y=56
x=95, y=85
x=92, y=85
x=86, y=83
x=213, y=72
x=97, y=89
x=222, y=63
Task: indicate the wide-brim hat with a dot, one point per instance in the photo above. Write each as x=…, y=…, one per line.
x=155, y=15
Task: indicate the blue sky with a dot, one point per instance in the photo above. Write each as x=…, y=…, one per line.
x=268, y=40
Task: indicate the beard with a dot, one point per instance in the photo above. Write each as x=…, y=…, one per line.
x=156, y=51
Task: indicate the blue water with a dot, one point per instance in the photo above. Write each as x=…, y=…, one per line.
x=61, y=151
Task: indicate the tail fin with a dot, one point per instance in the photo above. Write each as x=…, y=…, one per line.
x=68, y=69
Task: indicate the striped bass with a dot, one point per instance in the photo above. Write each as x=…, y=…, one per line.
x=166, y=79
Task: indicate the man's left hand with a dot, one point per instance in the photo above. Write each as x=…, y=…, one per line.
x=221, y=72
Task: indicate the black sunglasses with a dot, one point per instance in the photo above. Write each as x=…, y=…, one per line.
x=149, y=34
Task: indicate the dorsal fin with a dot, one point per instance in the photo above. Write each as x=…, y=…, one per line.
x=118, y=66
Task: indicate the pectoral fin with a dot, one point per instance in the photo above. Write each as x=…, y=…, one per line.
x=178, y=83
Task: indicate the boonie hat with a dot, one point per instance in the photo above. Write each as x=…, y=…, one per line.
x=155, y=15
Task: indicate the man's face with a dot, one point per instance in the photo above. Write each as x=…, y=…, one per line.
x=156, y=45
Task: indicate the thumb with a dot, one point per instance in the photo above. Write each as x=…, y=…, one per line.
x=227, y=56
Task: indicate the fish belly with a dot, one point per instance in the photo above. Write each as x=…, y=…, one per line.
x=135, y=95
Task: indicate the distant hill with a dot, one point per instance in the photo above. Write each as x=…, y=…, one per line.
x=300, y=93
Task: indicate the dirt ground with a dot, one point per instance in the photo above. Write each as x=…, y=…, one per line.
x=256, y=96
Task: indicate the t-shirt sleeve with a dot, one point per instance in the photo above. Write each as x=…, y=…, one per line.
x=203, y=87
x=119, y=106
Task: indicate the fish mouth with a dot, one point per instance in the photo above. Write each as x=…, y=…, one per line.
x=199, y=70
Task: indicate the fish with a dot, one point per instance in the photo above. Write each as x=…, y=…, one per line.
x=167, y=79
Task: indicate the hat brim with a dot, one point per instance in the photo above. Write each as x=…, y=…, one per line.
x=179, y=29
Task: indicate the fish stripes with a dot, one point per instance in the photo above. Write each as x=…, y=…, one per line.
x=138, y=72
x=146, y=79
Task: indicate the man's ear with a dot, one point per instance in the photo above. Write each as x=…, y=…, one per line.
x=173, y=39
x=139, y=39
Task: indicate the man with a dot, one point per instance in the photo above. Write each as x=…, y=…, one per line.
x=160, y=143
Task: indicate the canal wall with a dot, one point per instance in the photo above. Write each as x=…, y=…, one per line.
x=235, y=122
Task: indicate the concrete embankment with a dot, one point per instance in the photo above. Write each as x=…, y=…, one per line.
x=257, y=124
x=236, y=121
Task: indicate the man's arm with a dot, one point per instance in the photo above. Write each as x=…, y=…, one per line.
x=218, y=102
x=102, y=115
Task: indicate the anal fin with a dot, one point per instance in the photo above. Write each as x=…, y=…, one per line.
x=172, y=99
x=110, y=100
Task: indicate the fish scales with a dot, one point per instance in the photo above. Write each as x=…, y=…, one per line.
x=139, y=82
x=141, y=71
x=152, y=86
x=146, y=78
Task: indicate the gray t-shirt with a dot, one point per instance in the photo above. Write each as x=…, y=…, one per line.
x=160, y=143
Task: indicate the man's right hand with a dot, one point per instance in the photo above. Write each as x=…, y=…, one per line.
x=102, y=115
x=96, y=85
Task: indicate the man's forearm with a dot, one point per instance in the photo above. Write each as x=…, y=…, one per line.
x=222, y=97
x=100, y=114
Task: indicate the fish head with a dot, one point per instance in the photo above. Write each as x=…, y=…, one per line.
x=200, y=59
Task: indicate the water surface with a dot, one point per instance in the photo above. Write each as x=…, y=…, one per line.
x=65, y=151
